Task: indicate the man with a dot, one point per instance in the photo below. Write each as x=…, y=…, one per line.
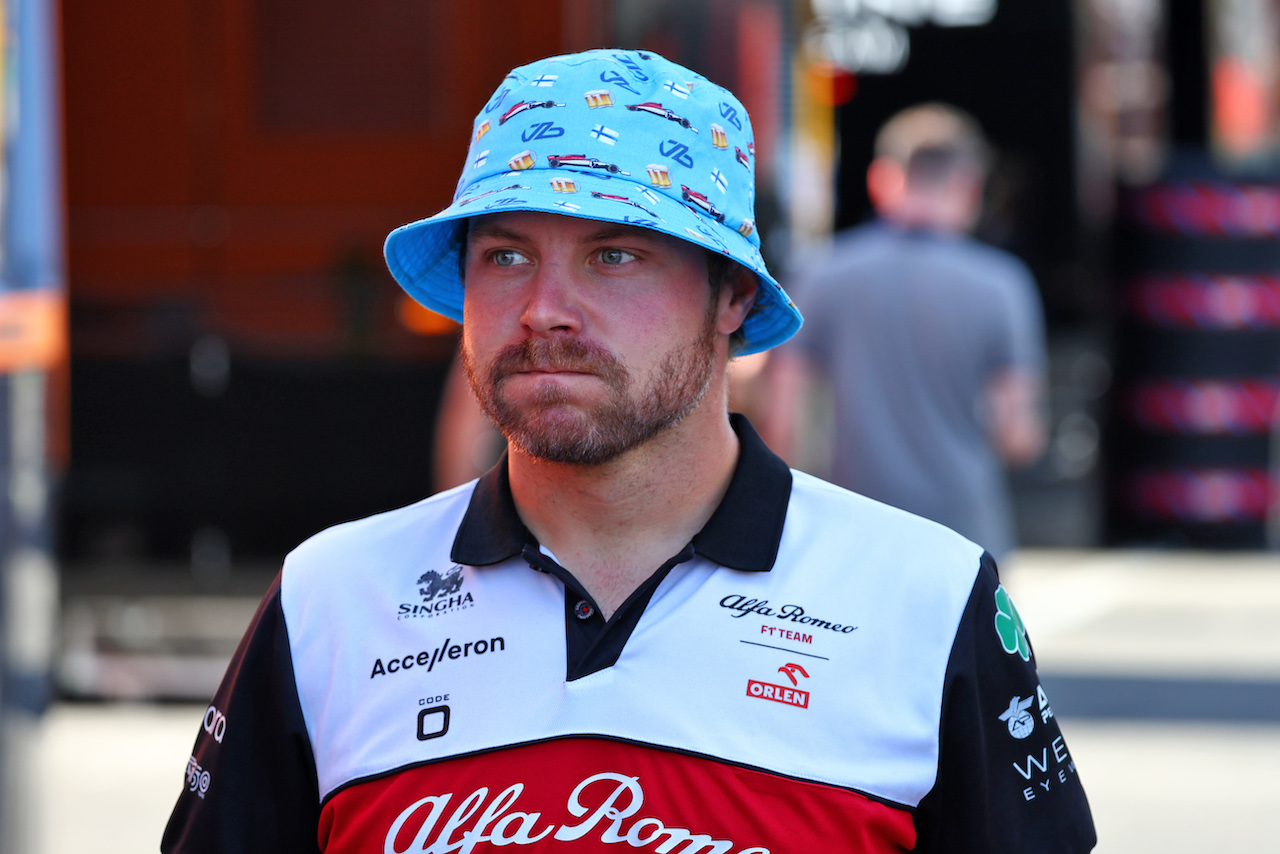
x=931, y=344
x=638, y=627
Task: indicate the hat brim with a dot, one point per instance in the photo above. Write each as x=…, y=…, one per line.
x=425, y=256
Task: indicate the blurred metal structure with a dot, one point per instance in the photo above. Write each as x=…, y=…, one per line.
x=1197, y=318
x=32, y=345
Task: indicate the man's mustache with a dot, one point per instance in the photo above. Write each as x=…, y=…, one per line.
x=563, y=354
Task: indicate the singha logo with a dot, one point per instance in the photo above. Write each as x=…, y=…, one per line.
x=433, y=584
x=441, y=593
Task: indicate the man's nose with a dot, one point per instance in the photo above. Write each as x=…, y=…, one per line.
x=552, y=304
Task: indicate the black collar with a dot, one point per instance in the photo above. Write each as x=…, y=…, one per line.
x=743, y=533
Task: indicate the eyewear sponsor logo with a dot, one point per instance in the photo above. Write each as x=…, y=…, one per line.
x=787, y=613
x=430, y=658
x=1044, y=775
x=605, y=812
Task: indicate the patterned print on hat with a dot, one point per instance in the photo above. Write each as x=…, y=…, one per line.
x=618, y=136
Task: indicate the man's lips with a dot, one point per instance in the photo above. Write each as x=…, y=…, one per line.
x=556, y=376
x=553, y=371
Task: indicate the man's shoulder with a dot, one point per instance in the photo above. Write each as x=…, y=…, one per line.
x=885, y=567
x=424, y=526
x=852, y=524
x=860, y=243
x=878, y=243
x=990, y=263
x=854, y=254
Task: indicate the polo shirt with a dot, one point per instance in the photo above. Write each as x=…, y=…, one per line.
x=814, y=671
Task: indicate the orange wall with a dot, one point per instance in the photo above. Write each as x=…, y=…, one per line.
x=233, y=166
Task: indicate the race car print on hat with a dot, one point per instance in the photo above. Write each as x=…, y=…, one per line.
x=612, y=135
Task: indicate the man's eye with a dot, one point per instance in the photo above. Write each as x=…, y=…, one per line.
x=508, y=258
x=615, y=256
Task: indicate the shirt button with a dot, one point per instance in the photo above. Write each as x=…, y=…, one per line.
x=583, y=610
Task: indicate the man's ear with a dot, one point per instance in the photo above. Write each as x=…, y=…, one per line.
x=736, y=299
x=886, y=183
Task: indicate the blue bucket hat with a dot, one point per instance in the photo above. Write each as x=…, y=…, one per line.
x=612, y=135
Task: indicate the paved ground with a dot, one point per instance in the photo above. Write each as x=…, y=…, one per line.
x=1164, y=669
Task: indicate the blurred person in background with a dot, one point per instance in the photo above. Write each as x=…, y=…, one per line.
x=929, y=343
x=639, y=625
x=465, y=444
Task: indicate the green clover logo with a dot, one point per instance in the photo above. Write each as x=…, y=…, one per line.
x=1013, y=635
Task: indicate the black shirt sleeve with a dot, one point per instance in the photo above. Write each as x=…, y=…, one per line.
x=250, y=785
x=1006, y=781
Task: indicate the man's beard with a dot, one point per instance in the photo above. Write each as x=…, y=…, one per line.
x=548, y=428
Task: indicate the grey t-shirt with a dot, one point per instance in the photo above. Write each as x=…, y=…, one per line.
x=910, y=327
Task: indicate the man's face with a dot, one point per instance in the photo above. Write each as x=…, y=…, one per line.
x=584, y=339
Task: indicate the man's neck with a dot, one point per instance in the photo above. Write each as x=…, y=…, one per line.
x=945, y=212
x=614, y=524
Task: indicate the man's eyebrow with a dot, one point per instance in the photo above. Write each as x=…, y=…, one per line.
x=497, y=231
x=613, y=232
x=492, y=231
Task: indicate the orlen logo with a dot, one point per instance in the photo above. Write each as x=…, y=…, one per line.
x=215, y=723
x=780, y=693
